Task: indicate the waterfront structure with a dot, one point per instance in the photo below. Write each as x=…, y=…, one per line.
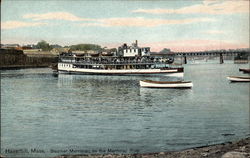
x=128, y=60
x=14, y=58
x=243, y=55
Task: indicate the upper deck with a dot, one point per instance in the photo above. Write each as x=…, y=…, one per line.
x=124, y=55
x=114, y=60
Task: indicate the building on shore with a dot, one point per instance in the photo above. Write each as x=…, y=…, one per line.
x=16, y=46
x=57, y=51
x=10, y=46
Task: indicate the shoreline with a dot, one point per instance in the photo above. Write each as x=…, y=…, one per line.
x=15, y=59
x=14, y=67
x=234, y=149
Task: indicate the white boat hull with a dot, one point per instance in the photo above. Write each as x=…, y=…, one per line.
x=68, y=68
x=171, y=85
x=238, y=79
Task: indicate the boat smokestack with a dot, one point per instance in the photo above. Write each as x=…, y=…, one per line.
x=136, y=43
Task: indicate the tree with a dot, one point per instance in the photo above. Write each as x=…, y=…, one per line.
x=43, y=45
x=85, y=47
x=165, y=51
x=55, y=46
x=113, y=50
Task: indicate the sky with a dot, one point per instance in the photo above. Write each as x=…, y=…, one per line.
x=181, y=25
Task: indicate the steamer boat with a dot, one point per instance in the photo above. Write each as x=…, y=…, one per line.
x=127, y=60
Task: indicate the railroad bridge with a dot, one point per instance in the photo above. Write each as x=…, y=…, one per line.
x=240, y=54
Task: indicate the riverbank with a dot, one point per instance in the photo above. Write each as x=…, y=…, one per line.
x=236, y=149
x=11, y=67
x=14, y=59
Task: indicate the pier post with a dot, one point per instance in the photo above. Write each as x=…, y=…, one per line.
x=221, y=59
x=185, y=59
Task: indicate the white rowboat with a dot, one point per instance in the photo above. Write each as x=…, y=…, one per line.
x=166, y=84
x=238, y=78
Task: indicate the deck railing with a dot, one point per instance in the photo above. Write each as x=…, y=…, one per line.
x=108, y=62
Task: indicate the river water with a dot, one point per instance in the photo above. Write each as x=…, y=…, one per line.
x=47, y=115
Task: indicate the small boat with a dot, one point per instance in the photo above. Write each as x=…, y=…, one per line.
x=245, y=70
x=80, y=54
x=107, y=54
x=238, y=78
x=166, y=84
x=94, y=54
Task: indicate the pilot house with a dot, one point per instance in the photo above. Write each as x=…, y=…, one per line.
x=133, y=50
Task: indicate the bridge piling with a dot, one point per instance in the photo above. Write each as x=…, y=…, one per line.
x=185, y=59
x=221, y=59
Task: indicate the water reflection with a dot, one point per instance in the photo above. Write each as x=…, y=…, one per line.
x=25, y=73
x=116, y=96
x=150, y=95
x=125, y=88
x=109, y=80
x=249, y=117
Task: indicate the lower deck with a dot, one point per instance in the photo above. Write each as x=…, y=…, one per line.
x=116, y=69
